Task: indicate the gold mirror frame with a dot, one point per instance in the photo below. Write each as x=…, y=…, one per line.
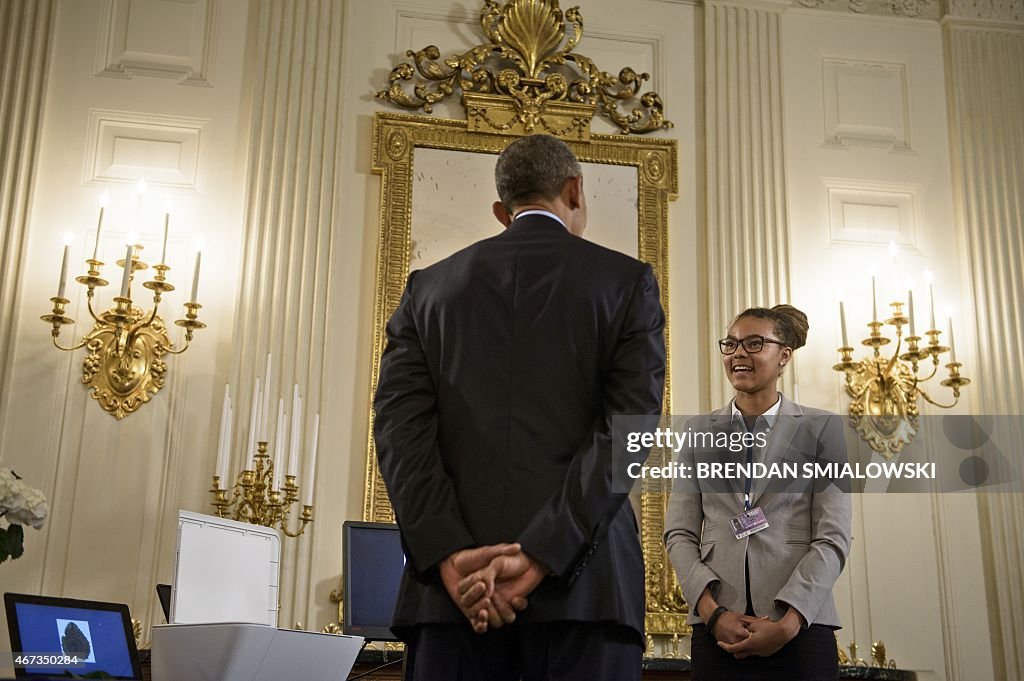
x=395, y=140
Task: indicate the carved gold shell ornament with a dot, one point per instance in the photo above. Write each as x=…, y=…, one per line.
x=527, y=78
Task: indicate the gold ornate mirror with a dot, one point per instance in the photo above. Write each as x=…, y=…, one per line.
x=437, y=187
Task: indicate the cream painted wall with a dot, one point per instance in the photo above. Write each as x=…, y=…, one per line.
x=868, y=161
x=116, y=486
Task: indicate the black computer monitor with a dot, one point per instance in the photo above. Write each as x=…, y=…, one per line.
x=372, y=560
x=61, y=635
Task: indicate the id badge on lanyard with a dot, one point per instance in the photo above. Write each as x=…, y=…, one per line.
x=751, y=520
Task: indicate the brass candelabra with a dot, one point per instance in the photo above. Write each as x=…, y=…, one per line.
x=885, y=390
x=255, y=500
x=124, y=365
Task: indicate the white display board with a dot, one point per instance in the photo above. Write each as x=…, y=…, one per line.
x=226, y=571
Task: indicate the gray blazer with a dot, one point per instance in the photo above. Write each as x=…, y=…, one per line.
x=797, y=559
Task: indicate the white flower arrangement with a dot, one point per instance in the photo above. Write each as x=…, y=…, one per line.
x=19, y=505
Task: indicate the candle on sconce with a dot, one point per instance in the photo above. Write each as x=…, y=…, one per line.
x=929, y=278
x=874, y=301
x=62, y=286
x=266, y=402
x=195, y=276
x=952, y=347
x=227, y=443
x=842, y=323
x=126, y=277
x=221, y=444
x=254, y=416
x=931, y=295
x=910, y=310
x=293, y=450
x=279, y=443
x=307, y=479
x=104, y=201
x=167, y=222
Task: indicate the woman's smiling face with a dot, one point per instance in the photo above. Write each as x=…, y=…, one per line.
x=752, y=372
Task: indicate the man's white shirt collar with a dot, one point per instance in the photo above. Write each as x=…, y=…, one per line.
x=539, y=211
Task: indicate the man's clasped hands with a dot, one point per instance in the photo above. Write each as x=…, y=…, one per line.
x=491, y=583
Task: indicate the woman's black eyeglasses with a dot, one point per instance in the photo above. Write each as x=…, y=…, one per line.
x=751, y=344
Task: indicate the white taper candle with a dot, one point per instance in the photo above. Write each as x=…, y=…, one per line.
x=266, y=402
x=195, y=277
x=842, y=323
x=63, y=285
x=167, y=223
x=874, y=302
x=952, y=347
x=221, y=444
x=254, y=416
x=279, y=443
x=227, y=444
x=104, y=200
x=910, y=311
x=126, y=277
x=931, y=295
x=296, y=432
x=308, y=478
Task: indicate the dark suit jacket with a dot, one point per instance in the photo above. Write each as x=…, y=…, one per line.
x=504, y=365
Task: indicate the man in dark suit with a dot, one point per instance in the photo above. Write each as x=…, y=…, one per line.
x=504, y=365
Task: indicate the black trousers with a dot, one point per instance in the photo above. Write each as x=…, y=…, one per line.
x=551, y=651
x=811, y=656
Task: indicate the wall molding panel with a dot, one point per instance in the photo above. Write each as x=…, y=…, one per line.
x=869, y=213
x=159, y=38
x=985, y=97
x=747, y=233
x=866, y=103
x=122, y=146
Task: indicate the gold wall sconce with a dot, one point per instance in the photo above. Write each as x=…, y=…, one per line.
x=884, y=390
x=126, y=346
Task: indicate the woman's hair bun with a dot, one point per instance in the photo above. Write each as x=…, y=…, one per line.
x=791, y=325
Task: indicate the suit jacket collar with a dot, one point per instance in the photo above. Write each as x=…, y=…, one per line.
x=779, y=437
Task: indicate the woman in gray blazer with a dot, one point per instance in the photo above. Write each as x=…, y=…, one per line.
x=757, y=563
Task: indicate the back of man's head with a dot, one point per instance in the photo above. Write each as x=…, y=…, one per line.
x=534, y=168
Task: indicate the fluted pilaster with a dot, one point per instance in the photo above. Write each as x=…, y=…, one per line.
x=986, y=96
x=290, y=199
x=26, y=29
x=747, y=234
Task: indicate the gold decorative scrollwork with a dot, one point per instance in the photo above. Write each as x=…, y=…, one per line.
x=528, y=60
x=124, y=366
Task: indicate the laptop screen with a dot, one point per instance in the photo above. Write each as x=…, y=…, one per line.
x=51, y=630
x=372, y=562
